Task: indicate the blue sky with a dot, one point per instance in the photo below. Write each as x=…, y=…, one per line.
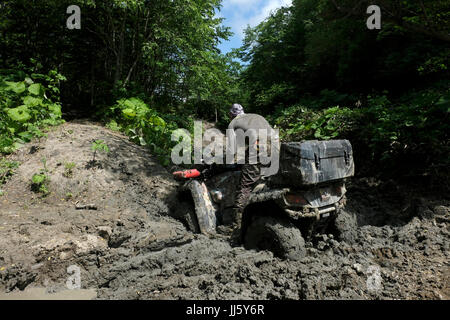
x=240, y=13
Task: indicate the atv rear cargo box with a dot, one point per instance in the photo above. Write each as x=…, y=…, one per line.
x=312, y=162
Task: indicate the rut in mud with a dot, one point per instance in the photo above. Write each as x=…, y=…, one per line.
x=114, y=221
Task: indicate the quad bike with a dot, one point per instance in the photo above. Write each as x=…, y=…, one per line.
x=304, y=198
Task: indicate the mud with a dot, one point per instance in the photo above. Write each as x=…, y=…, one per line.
x=114, y=221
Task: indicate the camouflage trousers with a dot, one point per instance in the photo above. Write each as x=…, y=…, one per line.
x=250, y=174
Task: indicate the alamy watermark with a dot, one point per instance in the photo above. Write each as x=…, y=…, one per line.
x=74, y=280
x=374, y=21
x=74, y=21
x=374, y=279
x=237, y=147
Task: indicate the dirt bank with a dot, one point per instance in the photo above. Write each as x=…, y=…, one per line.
x=112, y=219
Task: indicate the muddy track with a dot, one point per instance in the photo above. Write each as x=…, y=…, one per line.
x=114, y=221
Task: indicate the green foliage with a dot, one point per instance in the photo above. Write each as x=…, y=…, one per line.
x=147, y=127
x=100, y=146
x=112, y=124
x=301, y=123
x=40, y=181
x=436, y=64
x=68, y=169
x=320, y=47
x=7, y=169
x=164, y=50
x=25, y=109
x=410, y=131
x=414, y=126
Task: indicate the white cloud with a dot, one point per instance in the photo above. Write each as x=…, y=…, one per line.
x=272, y=5
x=240, y=3
x=240, y=13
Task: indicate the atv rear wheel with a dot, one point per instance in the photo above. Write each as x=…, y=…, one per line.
x=277, y=235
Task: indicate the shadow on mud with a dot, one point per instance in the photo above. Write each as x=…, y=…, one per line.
x=136, y=168
x=389, y=203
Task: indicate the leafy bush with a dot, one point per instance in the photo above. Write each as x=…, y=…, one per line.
x=301, y=123
x=409, y=135
x=68, y=169
x=145, y=126
x=40, y=181
x=27, y=106
x=100, y=146
x=7, y=169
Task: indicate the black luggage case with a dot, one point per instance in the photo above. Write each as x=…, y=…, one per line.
x=312, y=162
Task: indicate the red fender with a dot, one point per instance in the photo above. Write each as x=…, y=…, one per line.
x=187, y=174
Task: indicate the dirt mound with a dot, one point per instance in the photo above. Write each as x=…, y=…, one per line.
x=96, y=207
x=116, y=226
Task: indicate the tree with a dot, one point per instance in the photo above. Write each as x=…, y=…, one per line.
x=164, y=51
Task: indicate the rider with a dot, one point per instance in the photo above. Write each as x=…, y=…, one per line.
x=249, y=125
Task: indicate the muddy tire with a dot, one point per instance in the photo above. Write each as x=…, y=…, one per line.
x=186, y=212
x=345, y=226
x=277, y=235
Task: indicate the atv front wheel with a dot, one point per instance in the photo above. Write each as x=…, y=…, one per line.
x=186, y=212
x=345, y=225
x=277, y=235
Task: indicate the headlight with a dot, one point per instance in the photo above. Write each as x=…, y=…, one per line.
x=295, y=199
